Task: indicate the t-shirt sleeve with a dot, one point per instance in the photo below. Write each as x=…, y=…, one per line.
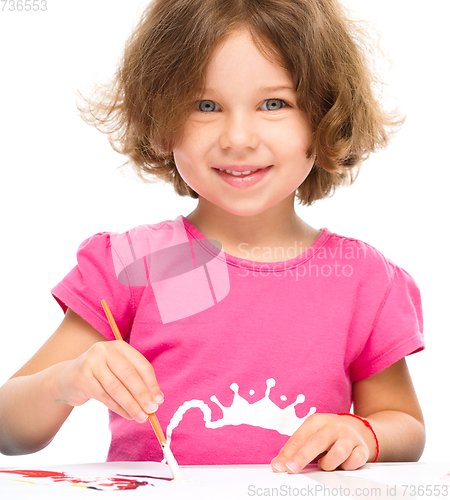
x=94, y=279
x=397, y=329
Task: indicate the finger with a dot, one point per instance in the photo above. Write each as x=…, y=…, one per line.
x=337, y=454
x=309, y=428
x=296, y=441
x=318, y=443
x=288, y=451
x=124, y=367
x=117, y=391
x=98, y=393
x=357, y=458
x=145, y=371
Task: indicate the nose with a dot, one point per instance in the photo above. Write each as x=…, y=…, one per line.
x=239, y=132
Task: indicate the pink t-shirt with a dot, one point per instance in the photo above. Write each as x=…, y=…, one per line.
x=243, y=351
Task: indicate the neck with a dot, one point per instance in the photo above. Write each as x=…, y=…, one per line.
x=278, y=226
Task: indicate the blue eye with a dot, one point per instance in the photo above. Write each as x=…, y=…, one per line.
x=206, y=106
x=274, y=104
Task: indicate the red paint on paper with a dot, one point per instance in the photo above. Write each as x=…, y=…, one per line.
x=118, y=483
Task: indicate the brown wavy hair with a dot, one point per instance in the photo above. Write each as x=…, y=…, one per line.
x=163, y=67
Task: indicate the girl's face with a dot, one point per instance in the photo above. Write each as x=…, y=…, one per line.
x=246, y=120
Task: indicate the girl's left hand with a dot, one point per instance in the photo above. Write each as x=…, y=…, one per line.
x=340, y=440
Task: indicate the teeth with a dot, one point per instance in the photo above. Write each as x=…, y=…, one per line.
x=237, y=174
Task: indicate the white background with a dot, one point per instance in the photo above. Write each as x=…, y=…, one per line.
x=60, y=184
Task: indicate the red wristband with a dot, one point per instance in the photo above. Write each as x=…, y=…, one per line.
x=367, y=424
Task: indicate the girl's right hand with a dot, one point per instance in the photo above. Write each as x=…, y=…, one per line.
x=115, y=374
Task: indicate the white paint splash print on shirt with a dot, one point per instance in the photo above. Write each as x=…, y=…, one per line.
x=263, y=413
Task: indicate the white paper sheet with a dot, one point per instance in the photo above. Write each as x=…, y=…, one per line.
x=217, y=483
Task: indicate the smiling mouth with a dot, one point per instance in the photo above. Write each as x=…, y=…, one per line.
x=240, y=174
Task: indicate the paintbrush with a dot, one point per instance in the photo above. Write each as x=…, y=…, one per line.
x=168, y=455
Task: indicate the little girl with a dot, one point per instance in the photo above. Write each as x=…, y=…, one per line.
x=259, y=330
